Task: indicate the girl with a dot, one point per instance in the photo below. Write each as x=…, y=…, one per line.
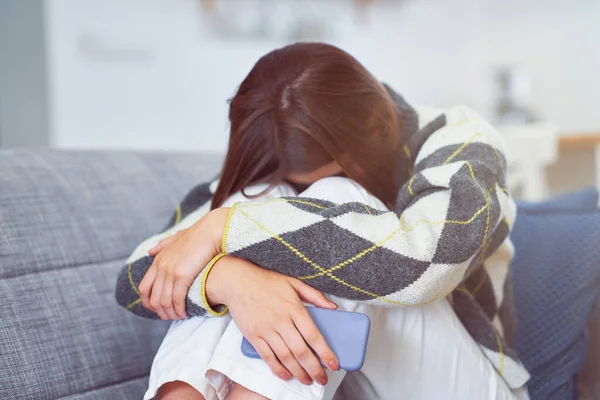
x=392, y=212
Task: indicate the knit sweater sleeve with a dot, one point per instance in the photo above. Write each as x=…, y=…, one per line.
x=451, y=208
x=195, y=205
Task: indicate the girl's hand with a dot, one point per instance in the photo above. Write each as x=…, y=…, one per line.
x=163, y=244
x=267, y=308
x=177, y=261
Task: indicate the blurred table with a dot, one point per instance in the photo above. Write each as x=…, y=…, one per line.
x=578, y=140
x=582, y=141
x=532, y=148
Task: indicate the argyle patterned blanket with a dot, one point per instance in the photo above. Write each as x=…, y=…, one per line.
x=448, y=237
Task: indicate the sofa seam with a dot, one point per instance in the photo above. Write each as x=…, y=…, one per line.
x=69, y=266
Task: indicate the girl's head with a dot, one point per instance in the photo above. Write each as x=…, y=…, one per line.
x=307, y=111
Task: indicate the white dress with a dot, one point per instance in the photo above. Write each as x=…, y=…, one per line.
x=413, y=353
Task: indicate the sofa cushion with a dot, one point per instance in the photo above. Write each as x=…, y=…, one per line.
x=68, y=220
x=556, y=274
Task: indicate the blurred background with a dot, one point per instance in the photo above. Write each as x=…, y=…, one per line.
x=156, y=74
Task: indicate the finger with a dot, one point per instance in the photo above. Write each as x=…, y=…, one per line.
x=313, y=296
x=145, y=286
x=155, y=295
x=166, y=297
x=180, y=291
x=163, y=244
x=304, y=354
x=267, y=355
x=315, y=340
x=285, y=356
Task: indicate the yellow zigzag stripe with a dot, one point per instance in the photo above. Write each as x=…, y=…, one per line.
x=452, y=156
x=501, y=352
x=139, y=300
x=133, y=304
x=366, y=208
x=489, y=242
x=483, y=275
x=307, y=203
x=460, y=289
x=388, y=238
x=226, y=231
x=366, y=251
x=461, y=123
x=462, y=147
x=486, y=196
x=231, y=211
x=487, y=202
x=299, y=254
x=409, y=156
x=410, y=185
x=131, y=279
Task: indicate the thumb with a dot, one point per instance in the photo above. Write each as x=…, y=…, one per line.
x=313, y=296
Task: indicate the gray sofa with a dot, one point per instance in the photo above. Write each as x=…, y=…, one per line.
x=68, y=220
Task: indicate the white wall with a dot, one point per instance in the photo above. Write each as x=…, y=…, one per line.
x=146, y=74
x=558, y=41
x=138, y=74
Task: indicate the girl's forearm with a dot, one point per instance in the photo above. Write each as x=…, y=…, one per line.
x=216, y=287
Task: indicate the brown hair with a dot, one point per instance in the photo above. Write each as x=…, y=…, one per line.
x=304, y=106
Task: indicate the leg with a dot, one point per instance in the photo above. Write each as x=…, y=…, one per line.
x=178, y=390
x=422, y=353
x=182, y=359
x=180, y=365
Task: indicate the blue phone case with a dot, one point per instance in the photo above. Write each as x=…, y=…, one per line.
x=345, y=332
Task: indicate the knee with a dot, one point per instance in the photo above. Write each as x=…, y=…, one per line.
x=238, y=392
x=178, y=390
x=341, y=190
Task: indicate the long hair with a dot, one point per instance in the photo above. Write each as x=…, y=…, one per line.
x=304, y=106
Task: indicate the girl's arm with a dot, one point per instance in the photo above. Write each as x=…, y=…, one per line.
x=192, y=208
x=451, y=214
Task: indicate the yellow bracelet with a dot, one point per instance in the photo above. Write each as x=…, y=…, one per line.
x=221, y=310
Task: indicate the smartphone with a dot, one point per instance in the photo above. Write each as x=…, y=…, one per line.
x=346, y=333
